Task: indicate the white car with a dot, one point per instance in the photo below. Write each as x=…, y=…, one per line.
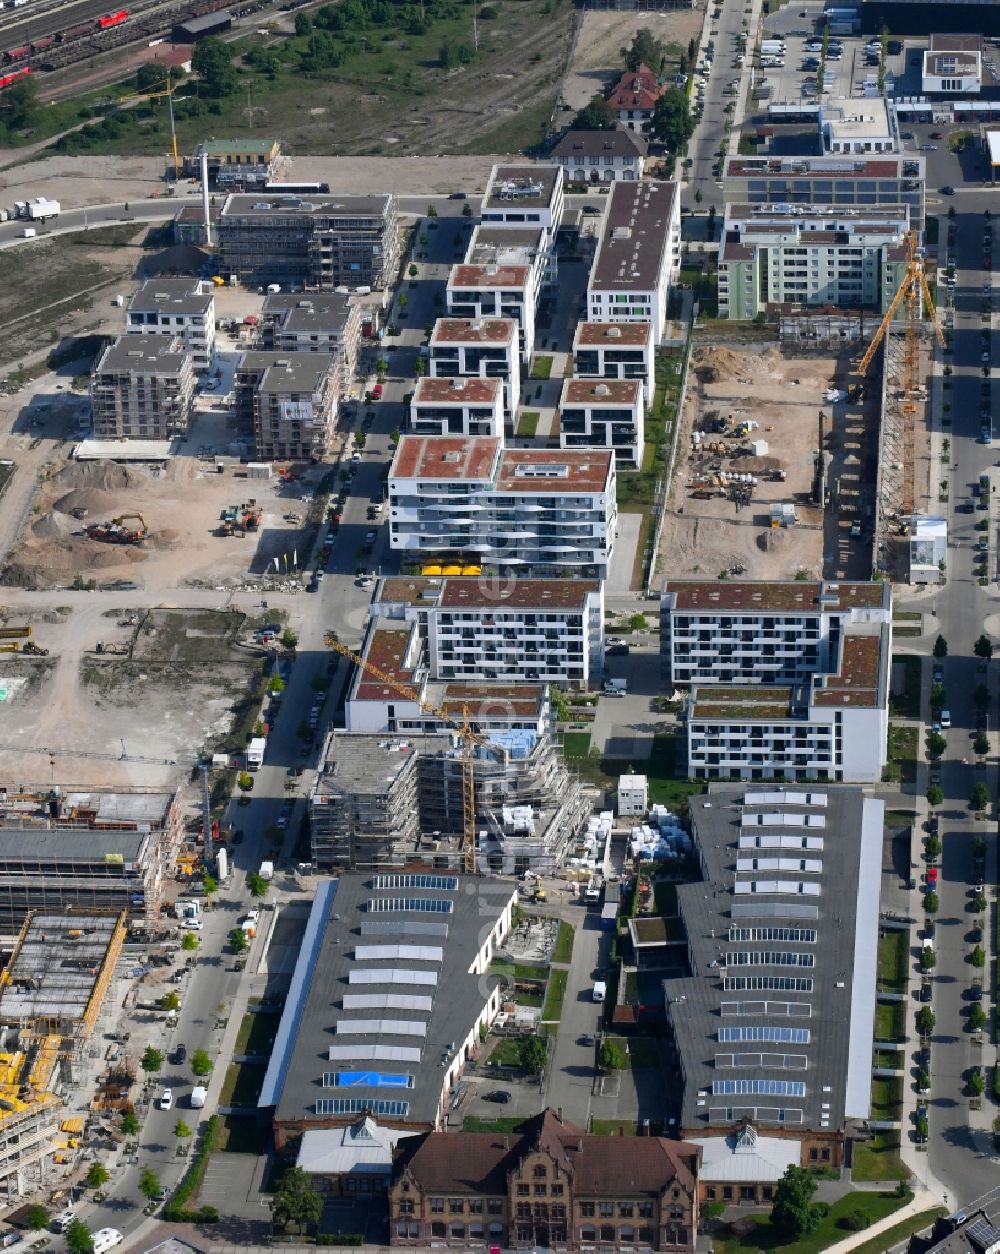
x=282, y=821
x=167, y=1099
x=192, y=925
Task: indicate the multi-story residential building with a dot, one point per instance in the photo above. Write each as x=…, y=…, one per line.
x=953, y=64
x=457, y=407
x=236, y=164
x=250, y=369
x=601, y=156
x=635, y=96
x=858, y=124
x=846, y=182
x=616, y=350
x=815, y=255
x=318, y=322
x=520, y=196
x=502, y=631
x=141, y=389
x=604, y=413
x=322, y=241
x=638, y=255
x=295, y=407
x=547, y=1185
x=497, y=290
x=177, y=307
x=786, y=680
x=518, y=511
x=482, y=348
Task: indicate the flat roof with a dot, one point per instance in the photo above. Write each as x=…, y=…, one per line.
x=125, y=450
x=517, y=186
x=360, y=764
x=777, y=1013
x=474, y=331
x=559, y=472
x=474, y=593
x=635, y=237
x=327, y=312
x=492, y=702
x=612, y=334
x=171, y=295
x=387, y=646
x=457, y=391
x=144, y=354
x=831, y=165
x=353, y=1033
x=315, y=204
x=601, y=392
x=23, y=845
x=446, y=457
x=297, y=372
x=857, y=683
x=505, y=245
x=489, y=275
x=950, y=62
x=136, y=809
x=56, y=965
x=711, y=596
x=955, y=43
x=247, y=146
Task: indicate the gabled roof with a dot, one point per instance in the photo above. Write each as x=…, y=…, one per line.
x=620, y=142
x=637, y=89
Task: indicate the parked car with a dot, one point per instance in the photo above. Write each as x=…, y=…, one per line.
x=500, y=1096
x=180, y=1055
x=167, y=1099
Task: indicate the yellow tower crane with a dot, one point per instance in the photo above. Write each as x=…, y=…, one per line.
x=158, y=95
x=469, y=737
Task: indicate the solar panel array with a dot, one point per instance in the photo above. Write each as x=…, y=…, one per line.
x=769, y=1062
x=366, y=1080
x=361, y=1106
x=766, y=1032
x=802, y=935
x=443, y=883
x=769, y=958
x=413, y=905
x=772, y=1088
x=791, y=1009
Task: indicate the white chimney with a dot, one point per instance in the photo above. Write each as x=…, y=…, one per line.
x=204, y=198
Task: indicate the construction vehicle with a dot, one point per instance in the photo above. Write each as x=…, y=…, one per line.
x=12, y=647
x=115, y=531
x=469, y=737
x=15, y=633
x=253, y=516
x=35, y=650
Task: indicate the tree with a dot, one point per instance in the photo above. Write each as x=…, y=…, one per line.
x=979, y=799
x=256, y=884
x=130, y=1123
x=245, y=781
x=212, y=61
x=170, y=1001
x=611, y=1056
x=981, y=696
x=152, y=1060
x=923, y=1081
x=925, y=1021
x=303, y=24
x=189, y=942
x=934, y=795
x=238, y=941
x=78, y=1238
x=532, y=1053
x=921, y=1126
x=36, y=1218
x=977, y=904
x=297, y=1201
x=151, y=77
x=149, y=1185
x=977, y=1084
x=793, y=1214
x=97, y=1175
x=466, y=210
x=181, y=1129
x=289, y=639
x=210, y=884
x=276, y=686
x=432, y=211
x=978, y=957
x=19, y=105
x=931, y=903
x=936, y=744
x=644, y=49
x=938, y=696
x=940, y=647
x=932, y=847
x=598, y=115
x=201, y=1064
x=983, y=648
x=672, y=123
x=981, y=744
x=928, y=959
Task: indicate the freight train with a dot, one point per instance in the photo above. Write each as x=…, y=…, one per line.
x=44, y=43
x=13, y=76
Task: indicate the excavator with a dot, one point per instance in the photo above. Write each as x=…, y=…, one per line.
x=115, y=531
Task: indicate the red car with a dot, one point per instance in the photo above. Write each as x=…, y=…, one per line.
x=932, y=875
x=377, y=391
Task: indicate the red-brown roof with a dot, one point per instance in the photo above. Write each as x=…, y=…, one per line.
x=457, y=391
x=613, y=334
x=485, y=701
x=387, y=649
x=474, y=331
x=445, y=457
x=489, y=276
x=857, y=683
x=637, y=89
x=601, y=392
x=765, y=596
x=587, y=470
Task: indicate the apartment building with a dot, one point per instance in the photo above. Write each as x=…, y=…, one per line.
x=584, y=1192
x=236, y=164
x=179, y=307
x=858, y=124
x=141, y=389
x=295, y=407
x=321, y=241
x=478, y=630
x=638, y=255
x=810, y=255
x=497, y=290
x=524, y=196
x=604, y=413
x=846, y=182
x=616, y=350
x=786, y=681
x=317, y=322
x=601, y=157
x=516, y=511
x=482, y=348
x=457, y=407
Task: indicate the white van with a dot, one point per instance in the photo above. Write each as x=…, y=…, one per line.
x=615, y=687
x=106, y=1239
x=600, y=990
x=199, y=1095
x=63, y=1220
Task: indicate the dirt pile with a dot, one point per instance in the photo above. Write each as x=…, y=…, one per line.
x=718, y=364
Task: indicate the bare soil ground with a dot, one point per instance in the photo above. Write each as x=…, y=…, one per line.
x=783, y=395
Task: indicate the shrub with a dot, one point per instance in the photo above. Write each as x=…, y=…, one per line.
x=175, y=1211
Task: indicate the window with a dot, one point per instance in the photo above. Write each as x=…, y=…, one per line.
x=523, y=1190
x=437, y=1205
x=607, y=1232
x=475, y=1206
x=607, y=1209
x=438, y=1230
x=646, y=1210
x=539, y=1172
x=676, y=1211
x=456, y=1230
x=406, y=1206
x=587, y=1210
x=624, y=1210
x=494, y=1206
x=456, y=1206
x=588, y=1234
x=540, y=1190
x=557, y=1190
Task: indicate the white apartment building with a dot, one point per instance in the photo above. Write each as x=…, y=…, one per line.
x=952, y=64
x=179, y=307
x=604, y=413
x=522, y=196
x=497, y=290
x=616, y=350
x=482, y=630
x=810, y=255
x=457, y=407
x=858, y=124
x=482, y=348
x=638, y=255
x=515, y=511
x=785, y=679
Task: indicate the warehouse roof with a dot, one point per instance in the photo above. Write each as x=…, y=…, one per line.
x=775, y=1023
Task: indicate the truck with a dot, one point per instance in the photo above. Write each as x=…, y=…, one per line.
x=199, y=1095
x=186, y=909
x=222, y=865
x=266, y=871
x=592, y=891
x=41, y=209
x=600, y=990
x=772, y=48
x=615, y=687
x=255, y=753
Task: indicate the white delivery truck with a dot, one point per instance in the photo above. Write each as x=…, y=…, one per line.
x=255, y=753
x=41, y=209
x=199, y=1095
x=267, y=871
x=600, y=990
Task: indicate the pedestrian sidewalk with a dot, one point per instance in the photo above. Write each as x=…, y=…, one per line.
x=922, y=1200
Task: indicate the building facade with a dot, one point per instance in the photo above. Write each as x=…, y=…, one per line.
x=320, y=322
x=177, y=307
x=616, y=350
x=478, y=349
x=491, y=291
x=810, y=256
x=295, y=408
x=515, y=511
x=605, y=413
x=634, y=98
x=236, y=164
x=638, y=255
x=457, y=407
x=320, y=241
x=859, y=125
x=141, y=389
x=524, y=196
x=546, y=1185
x=601, y=157
x=952, y=65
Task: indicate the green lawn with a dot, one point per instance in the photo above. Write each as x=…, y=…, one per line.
x=879, y=1159
x=898, y=1233
x=256, y=1034
x=893, y=960
x=903, y=746
x=527, y=424
x=762, y=1237
x=907, y=704
x=242, y=1084
x=472, y=1123
x=552, y=1010
x=642, y=1052
x=665, y=768
x=890, y=1021
x=541, y=368
x=563, y=951
x=576, y=744
x=887, y=1097
x=506, y=1053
